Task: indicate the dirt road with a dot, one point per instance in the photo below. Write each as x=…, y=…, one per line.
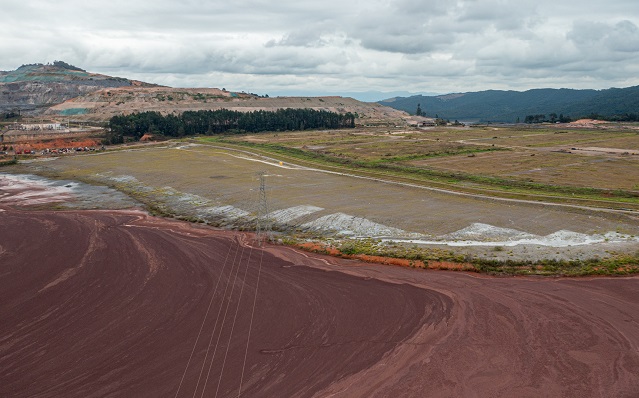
x=100, y=303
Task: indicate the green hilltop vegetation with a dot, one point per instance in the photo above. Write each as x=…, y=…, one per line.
x=59, y=71
x=620, y=104
x=62, y=72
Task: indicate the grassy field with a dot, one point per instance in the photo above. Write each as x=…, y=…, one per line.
x=501, y=161
x=218, y=186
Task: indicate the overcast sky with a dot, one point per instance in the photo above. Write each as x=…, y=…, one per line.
x=333, y=46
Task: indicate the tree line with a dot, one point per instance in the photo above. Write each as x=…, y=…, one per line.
x=9, y=115
x=223, y=121
x=552, y=118
x=624, y=117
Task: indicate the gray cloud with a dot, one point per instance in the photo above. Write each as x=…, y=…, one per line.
x=310, y=36
x=385, y=45
x=605, y=38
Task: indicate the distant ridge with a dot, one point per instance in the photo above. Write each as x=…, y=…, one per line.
x=60, y=71
x=33, y=86
x=508, y=106
x=62, y=90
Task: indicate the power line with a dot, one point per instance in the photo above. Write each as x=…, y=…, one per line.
x=237, y=310
x=263, y=233
x=262, y=212
x=248, y=339
x=263, y=227
x=204, y=320
x=228, y=304
x=228, y=282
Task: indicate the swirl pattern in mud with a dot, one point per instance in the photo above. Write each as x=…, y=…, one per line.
x=112, y=304
x=100, y=303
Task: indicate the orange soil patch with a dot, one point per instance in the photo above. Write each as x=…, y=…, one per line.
x=400, y=262
x=318, y=248
x=58, y=143
x=450, y=266
x=628, y=269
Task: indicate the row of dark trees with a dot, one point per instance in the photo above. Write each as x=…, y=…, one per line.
x=552, y=118
x=624, y=117
x=224, y=121
x=9, y=115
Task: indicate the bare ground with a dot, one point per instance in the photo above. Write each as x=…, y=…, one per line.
x=111, y=304
x=102, y=105
x=104, y=303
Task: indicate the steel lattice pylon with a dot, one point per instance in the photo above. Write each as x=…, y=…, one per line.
x=263, y=224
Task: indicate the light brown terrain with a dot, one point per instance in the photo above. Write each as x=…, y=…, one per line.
x=209, y=184
x=554, y=155
x=103, y=104
x=117, y=303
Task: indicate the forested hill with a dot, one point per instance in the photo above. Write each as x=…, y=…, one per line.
x=508, y=106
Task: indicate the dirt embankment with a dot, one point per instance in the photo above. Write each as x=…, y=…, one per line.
x=102, y=105
x=121, y=304
x=57, y=144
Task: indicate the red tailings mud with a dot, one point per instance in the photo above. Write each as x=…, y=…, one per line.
x=118, y=304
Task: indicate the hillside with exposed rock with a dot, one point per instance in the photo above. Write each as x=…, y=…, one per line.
x=106, y=103
x=36, y=86
x=60, y=90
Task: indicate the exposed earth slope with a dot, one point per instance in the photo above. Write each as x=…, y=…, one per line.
x=63, y=90
x=103, y=104
x=37, y=85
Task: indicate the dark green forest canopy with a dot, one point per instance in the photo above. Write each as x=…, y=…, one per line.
x=224, y=121
x=615, y=104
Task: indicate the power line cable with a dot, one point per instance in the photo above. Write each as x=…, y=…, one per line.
x=248, y=339
x=219, y=336
x=216, y=322
x=203, y=321
x=237, y=309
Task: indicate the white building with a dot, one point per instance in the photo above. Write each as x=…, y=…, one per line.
x=40, y=126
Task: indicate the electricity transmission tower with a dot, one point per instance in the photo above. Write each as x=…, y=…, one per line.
x=263, y=227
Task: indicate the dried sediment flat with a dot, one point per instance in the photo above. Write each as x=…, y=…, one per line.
x=99, y=303
x=523, y=337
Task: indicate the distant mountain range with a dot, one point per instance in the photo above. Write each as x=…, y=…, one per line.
x=63, y=89
x=509, y=106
